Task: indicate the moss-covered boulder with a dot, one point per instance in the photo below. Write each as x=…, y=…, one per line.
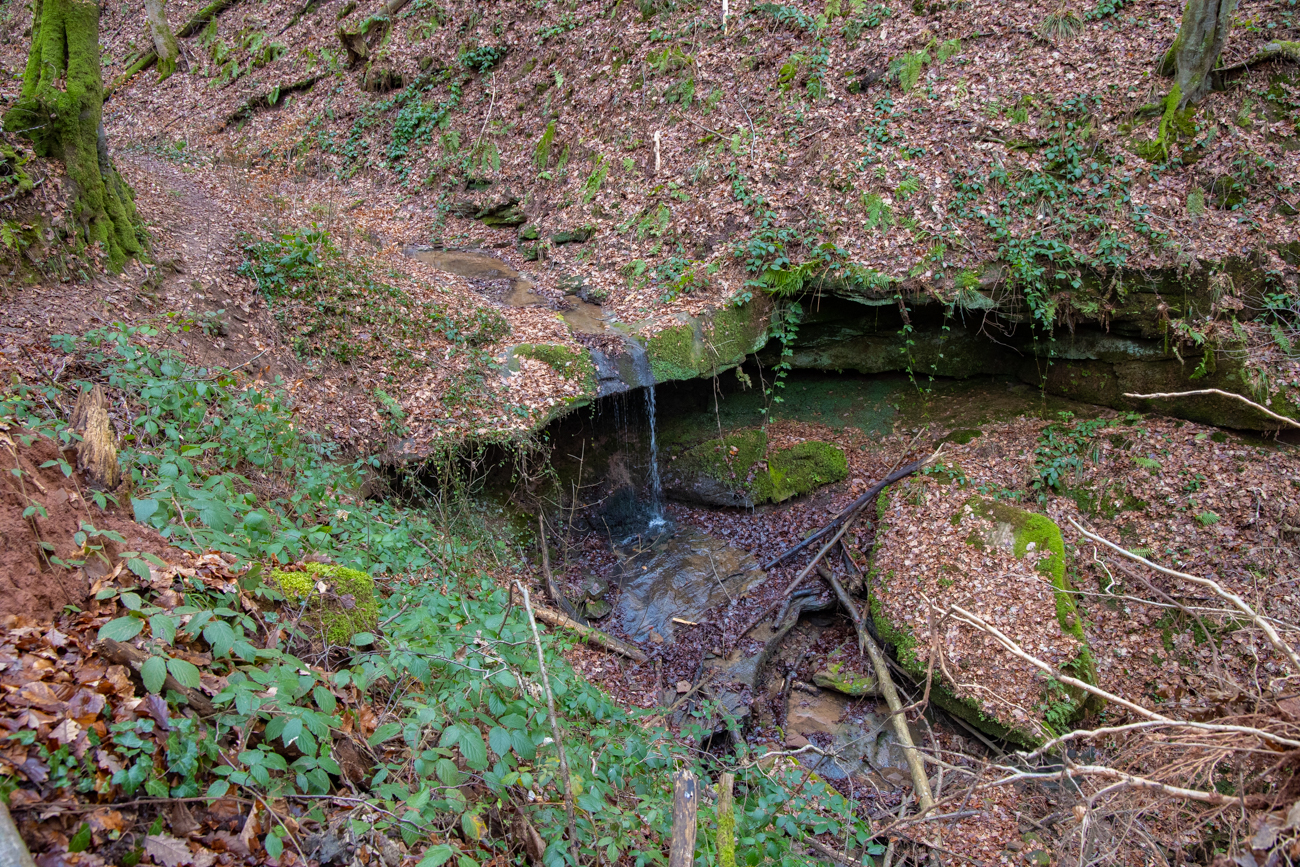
x=740, y=470
x=340, y=601
x=1007, y=565
x=708, y=344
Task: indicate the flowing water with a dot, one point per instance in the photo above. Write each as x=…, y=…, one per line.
x=641, y=362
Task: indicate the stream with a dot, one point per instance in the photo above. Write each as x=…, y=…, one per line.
x=661, y=561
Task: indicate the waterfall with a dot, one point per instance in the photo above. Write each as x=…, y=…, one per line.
x=646, y=377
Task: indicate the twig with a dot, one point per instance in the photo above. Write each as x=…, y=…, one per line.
x=852, y=508
x=705, y=128
x=1200, y=391
x=1128, y=780
x=21, y=192
x=1015, y=649
x=1237, y=601
x=555, y=726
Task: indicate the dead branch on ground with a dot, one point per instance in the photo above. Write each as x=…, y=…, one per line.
x=1219, y=590
x=1221, y=393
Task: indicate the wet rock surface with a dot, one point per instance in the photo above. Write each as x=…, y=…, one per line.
x=682, y=576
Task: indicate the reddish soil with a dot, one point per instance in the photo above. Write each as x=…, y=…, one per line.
x=31, y=582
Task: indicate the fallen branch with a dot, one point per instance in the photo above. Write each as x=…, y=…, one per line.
x=592, y=635
x=555, y=726
x=1090, y=734
x=270, y=99
x=974, y=620
x=1221, y=393
x=124, y=654
x=1240, y=604
x=1128, y=780
x=852, y=509
x=920, y=782
x=551, y=590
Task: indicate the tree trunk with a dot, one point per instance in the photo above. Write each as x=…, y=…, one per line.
x=60, y=110
x=164, y=43
x=1196, y=49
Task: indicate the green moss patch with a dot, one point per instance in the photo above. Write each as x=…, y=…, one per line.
x=340, y=601
x=565, y=360
x=704, y=346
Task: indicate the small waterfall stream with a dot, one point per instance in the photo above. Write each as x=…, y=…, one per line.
x=641, y=363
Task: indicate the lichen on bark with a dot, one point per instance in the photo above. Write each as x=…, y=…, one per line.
x=60, y=110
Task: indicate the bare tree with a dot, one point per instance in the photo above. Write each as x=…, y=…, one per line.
x=1196, y=48
x=164, y=42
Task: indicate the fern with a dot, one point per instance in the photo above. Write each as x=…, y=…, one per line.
x=542, y=156
x=879, y=214
x=947, y=49
x=594, y=182
x=907, y=69
x=906, y=187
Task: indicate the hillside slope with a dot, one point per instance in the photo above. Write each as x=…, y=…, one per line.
x=996, y=157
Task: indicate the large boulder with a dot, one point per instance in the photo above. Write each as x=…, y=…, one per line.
x=740, y=470
x=939, y=546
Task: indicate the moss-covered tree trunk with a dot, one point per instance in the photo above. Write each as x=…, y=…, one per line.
x=1196, y=49
x=164, y=42
x=60, y=110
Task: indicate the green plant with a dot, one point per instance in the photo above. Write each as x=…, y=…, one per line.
x=482, y=58
x=1061, y=450
x=1061, y=24
x=462, y=730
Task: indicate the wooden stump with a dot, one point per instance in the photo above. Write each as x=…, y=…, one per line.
x=685, y=805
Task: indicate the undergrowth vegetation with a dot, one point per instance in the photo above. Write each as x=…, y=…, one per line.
x=459, y=729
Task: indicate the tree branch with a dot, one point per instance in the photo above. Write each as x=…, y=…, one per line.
x=1273, y=637
x=1220, y=392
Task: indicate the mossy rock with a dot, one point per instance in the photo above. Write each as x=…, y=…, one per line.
x=705, y=345
x=345, y=606
x=1105, y=384
x=580, y=235
x=857, y=684
x=1022, y=532
x=738, y=470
